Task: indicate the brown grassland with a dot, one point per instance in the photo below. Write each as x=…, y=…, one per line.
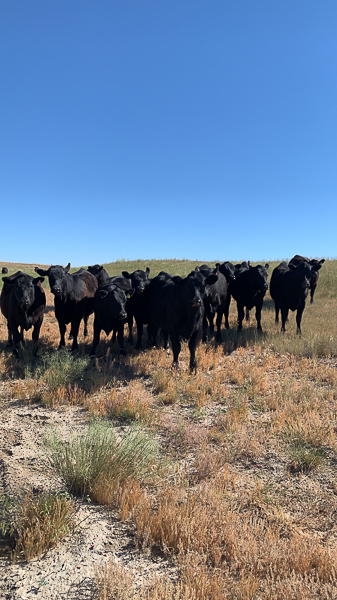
x=243, y=499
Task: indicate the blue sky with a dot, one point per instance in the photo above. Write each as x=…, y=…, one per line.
x=174, y=129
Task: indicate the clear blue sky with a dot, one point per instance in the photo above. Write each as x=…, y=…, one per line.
x=167, y=129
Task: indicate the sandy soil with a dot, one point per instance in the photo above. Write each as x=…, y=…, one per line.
x=66, y=571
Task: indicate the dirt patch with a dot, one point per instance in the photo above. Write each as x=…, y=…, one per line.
x=66, y=571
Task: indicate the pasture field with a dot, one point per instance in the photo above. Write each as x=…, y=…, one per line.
x=225, y=481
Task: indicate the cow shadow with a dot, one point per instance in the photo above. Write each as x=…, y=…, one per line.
x=232, y=339
x=48, y=309
x=268, y=304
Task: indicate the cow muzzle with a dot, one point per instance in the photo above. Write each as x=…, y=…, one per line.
x=196, y=303
x=56, y=291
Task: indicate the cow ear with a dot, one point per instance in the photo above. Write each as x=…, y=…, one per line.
x=41, y=272
x=178, y=280
x=8, y=280
x=129, y=293
x=322, y=261
x=67, y=268
x=126, y=274
x=197, y=269
x=38, y=280
x=316, y=267
x=266, y=266
x=217, y=266
x=147, y=271
x=102, y=293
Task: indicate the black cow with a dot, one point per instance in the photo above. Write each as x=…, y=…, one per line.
x=4, y=270
x=142, y=310
x=100, y=273
x=110, y=312
x=73, y=298
x=215, y=301
x=297, y=259
x=177, y=307
x=249, y=289
x=289, y=288
x=22, y=303
x=139, y=280
x=228, y=270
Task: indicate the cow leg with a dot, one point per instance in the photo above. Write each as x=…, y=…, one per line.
x=176, y=347
x=130, y=325
x=36, y=333
x=277, y=310
x=120, y=337
x=226, y=311
x=152, y=332
x=211, y=323
x=75, y=325
x=241, y=315
x=10, y=338
x=62, y=328
x=312, y=291
x=85, y=331
x=165, y=339
x=97, y=333
x=258, y=316
x=140, y=330
x=16, y=339
x=192, y=344
x=284, y=315
x=204, y=329
x=299, y=318
x=218, y=324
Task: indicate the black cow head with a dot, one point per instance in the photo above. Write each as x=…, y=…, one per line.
x=56, y=275
x=303, y=274
x=199, y=283
x=95, y=269
x=259, y=276
x=139, y=279
x=228, y=270
x=23, y=286
x=115, y=299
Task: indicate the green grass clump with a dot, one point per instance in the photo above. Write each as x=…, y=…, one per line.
x=98, y=453
x=304, y=450
x=61, y=368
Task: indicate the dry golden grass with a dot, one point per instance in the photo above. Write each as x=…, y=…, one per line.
x=41, y=522
x=247, y=506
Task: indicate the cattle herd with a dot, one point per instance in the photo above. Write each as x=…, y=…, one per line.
x=175, y=306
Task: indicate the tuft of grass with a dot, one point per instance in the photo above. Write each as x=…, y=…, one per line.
x=303, y=447
x=114, y=582
x=97, y=454
x=61, y=368
x=31, y=527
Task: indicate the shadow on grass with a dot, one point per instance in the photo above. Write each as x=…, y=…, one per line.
x=233, y=339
